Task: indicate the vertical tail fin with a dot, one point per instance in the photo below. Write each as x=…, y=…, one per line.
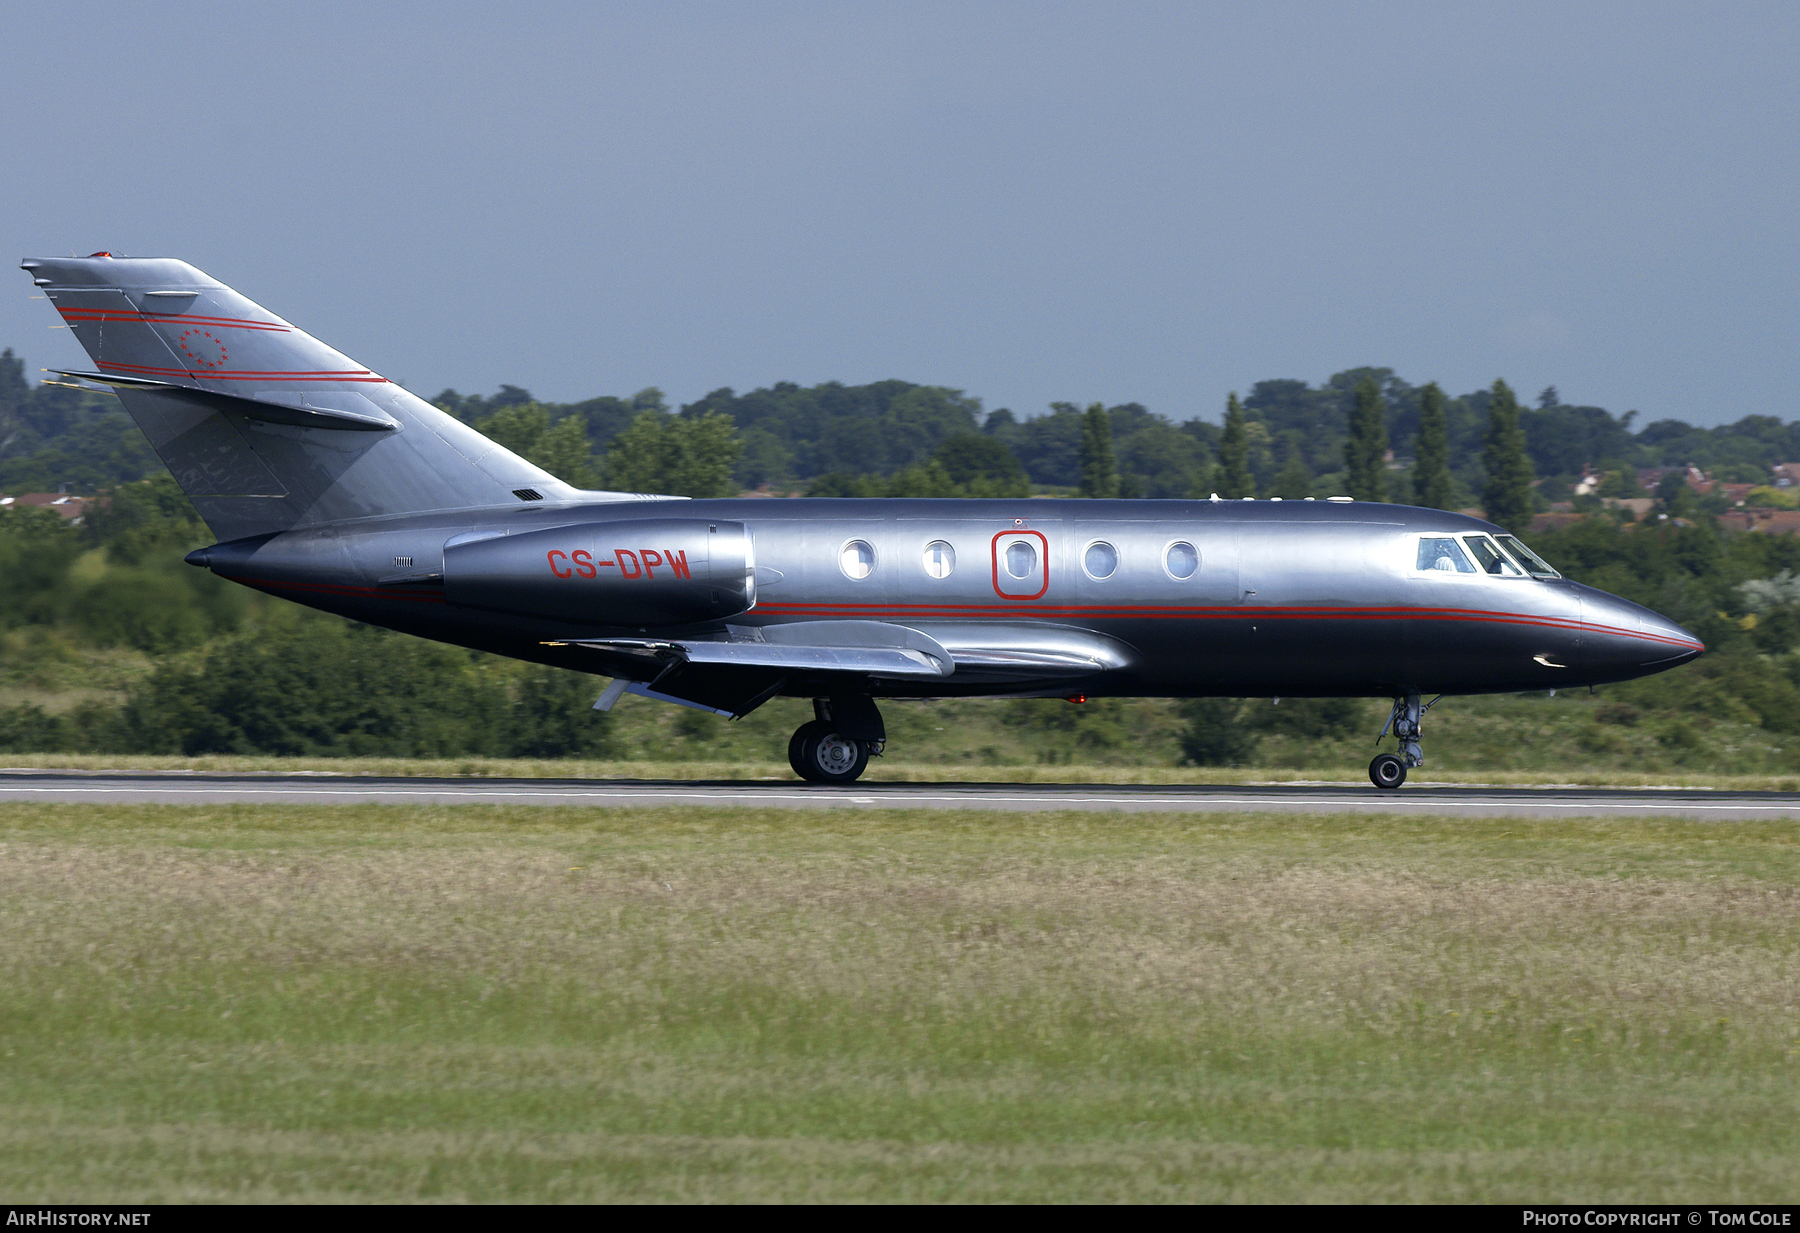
x=262, y=425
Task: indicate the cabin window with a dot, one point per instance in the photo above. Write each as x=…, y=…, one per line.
x=940, y=559
x=1021, y=559
x=1100, y=560
x=1490, y=558
x=1444, y=554
x=857, y=559
x=1534, y=565
x=1181, y=559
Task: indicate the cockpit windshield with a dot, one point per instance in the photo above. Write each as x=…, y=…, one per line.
x=1534, y=565
x=1442, y=553
x=1490, y=558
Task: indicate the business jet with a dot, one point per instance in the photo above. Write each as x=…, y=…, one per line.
x=329, y=485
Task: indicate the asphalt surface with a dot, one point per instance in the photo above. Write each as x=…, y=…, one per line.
x=187, y=788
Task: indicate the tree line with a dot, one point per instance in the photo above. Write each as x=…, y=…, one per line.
x=929, y=442
x=202, y=666
x=236, y=672
x=1283, y=438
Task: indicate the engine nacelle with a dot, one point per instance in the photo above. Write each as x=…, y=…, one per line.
x=663, y=571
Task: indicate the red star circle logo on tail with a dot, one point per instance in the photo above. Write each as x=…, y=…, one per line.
x=202, y=348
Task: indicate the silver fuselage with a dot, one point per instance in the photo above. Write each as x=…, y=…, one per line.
x=1294, y=598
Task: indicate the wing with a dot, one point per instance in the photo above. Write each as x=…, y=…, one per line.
x=736, y=676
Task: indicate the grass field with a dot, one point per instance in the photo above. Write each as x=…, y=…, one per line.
x=513, y=1004
x=890, y=770
x=1629, y=734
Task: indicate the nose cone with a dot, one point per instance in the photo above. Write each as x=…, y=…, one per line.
x=1621, y=640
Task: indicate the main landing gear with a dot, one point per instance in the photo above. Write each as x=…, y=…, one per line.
x=1388, y=770
x=836, y=745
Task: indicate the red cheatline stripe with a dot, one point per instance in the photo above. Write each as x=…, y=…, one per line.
x=1395, y=612
x=1268, y=614
x=116, y=314
x=1258, y=614
x=360, y=375
x=247, y=372
x=1329, y=614
x=320, y=588
x=263, y=376
x=75, y=319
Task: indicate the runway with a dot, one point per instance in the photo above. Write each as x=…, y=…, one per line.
x=187, y=788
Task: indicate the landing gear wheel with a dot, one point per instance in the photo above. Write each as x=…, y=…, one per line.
x=817, y=753
x=810, y=728
x=1387, y=771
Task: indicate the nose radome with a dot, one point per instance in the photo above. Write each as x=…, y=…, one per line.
x=1663, y=632
x=1621, y=639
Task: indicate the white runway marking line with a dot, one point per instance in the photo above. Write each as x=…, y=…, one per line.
x=901, y=801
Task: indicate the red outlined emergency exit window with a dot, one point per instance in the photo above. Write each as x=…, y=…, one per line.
x=1021, y=564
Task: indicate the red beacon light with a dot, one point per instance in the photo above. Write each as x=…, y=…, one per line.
x=91, y=255
x=1077, y=699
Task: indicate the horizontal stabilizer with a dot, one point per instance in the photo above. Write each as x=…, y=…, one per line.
x=265, y=427
x=298, y=413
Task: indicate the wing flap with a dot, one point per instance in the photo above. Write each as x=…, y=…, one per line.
x=873, y=661
x=860, y=648
x=862, y=661
x=879, y=648
x=1016, y=652
x=1029, y=662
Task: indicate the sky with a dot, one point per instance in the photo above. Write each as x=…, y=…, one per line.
x=1031, y=202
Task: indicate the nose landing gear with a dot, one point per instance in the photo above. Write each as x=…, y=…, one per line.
x=1388, y=770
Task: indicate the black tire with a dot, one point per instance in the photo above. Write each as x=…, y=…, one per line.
x=811, y=727
x=1387, y=772
x=826, y=757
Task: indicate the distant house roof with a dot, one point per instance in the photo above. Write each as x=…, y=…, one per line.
x=1767, y=521
x=65, y=504
x=1649, y=477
